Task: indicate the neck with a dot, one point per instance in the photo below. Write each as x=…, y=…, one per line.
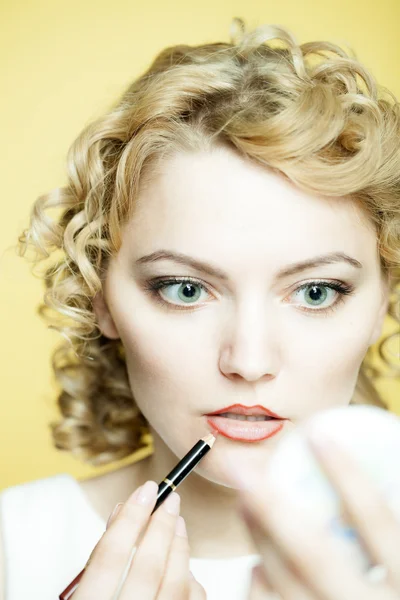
x=214, y=526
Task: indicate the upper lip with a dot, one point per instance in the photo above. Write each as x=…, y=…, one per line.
x=239, y=409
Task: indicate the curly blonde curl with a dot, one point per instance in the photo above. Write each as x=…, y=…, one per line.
x=311, y=112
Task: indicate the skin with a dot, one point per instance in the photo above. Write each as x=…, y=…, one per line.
x=246, y=340
x=298, y=559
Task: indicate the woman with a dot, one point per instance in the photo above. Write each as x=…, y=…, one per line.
x=229, y=238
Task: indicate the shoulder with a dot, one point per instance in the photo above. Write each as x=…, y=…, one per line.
x=36, y=506
x=47, y=533
x=22, y=494
x=18, y=504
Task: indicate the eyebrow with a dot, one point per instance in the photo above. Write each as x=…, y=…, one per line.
x=291, y=269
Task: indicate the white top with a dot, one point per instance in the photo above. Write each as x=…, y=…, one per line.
x=50, y=529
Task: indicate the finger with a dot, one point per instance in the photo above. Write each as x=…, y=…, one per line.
x=109, y=557
x=306, y=548
x=114, y=514
x=196, y=590
x=176, y=580
x=365, y=505
x=111, y=518
x=274, y=575
x=260, y=588
x=145, y=575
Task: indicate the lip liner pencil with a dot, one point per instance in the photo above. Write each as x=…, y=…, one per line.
x=183, y=468
x=168, y=485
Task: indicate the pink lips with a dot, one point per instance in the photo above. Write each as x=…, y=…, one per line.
x=245, y=431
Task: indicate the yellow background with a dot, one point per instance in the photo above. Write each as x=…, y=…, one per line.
x=63, y=63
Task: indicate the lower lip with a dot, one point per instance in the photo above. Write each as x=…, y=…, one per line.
x=245, y=431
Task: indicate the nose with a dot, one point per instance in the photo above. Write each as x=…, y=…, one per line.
x=249, y=348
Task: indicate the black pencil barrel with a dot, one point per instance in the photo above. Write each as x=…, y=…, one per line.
x=180, y=472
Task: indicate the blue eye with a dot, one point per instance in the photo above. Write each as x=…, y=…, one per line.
x=316, y=293
x=185, y=290
x=188, y=291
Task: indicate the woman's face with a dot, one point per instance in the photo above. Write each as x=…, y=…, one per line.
x=246, y=335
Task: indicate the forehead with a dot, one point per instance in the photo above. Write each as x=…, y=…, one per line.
x=217, y=199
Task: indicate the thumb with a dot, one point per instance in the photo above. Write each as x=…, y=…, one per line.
x=196, y=590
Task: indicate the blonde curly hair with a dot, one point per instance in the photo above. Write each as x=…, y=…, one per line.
x=311, y=112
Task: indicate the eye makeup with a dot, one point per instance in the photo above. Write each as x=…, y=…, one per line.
x=155, y=286
x=342, y=289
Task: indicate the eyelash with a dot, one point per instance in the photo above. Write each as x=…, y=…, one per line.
x=154, y=286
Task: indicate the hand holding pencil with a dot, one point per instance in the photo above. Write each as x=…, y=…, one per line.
x=160, y=561
x=144, y=552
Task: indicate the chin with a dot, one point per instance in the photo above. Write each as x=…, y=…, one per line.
x=217, y=478
x=219, y=462
x=227, y=456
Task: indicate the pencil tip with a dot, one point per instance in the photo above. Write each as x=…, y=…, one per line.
x=210, y=439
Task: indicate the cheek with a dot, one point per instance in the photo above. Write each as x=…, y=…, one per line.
x=325, y=361
x=340, y=363
x=161, y=353
x=165, y=352
x=166, y=376
x=152, y=360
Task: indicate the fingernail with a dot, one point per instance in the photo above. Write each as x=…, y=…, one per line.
x=147, y=493
x=172, y=504
x=181, y=527
x=114, y=513
x=135, y=494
